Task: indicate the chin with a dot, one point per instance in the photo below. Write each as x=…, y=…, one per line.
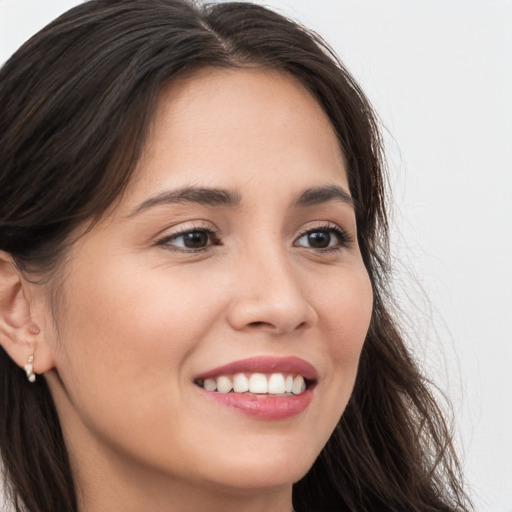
x=265, y=468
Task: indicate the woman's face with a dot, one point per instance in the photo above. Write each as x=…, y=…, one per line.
x=231, y=259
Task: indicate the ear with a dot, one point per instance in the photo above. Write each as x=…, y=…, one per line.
x=20, y=335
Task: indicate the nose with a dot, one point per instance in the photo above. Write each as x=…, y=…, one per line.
x=270, y=297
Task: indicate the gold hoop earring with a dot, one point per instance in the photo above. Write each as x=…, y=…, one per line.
x=29, y=369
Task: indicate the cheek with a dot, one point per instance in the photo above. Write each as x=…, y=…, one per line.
x=126, y=340
x=345, y=316
x=346, y=312
x=122, y=329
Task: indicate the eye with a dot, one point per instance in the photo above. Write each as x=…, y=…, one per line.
x=323, y=238
x=190, y=240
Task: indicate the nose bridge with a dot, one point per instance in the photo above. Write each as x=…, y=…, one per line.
x=270, y=294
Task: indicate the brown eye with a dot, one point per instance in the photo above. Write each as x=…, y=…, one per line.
x=330, y=238
x=193, y=240
x=319, y=239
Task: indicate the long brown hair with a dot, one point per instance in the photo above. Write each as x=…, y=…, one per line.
x=76, y=101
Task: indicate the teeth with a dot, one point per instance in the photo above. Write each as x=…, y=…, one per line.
x=257, y=383
x=276, y=384
x=224, y=384
x=210, y=384
x=288, y=385
x=240, y=383
x=298, y=385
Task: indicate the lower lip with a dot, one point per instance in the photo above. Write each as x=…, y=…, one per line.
x=263, y=407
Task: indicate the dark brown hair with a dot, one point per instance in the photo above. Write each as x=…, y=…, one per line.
x=76, y=101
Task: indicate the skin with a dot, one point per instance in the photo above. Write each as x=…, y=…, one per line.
x=140, y=315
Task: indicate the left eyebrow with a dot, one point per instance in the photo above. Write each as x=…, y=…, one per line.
x=320, y=195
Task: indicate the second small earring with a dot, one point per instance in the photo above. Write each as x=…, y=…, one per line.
x=29, y=369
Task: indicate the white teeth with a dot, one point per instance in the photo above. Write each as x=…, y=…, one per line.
x=276, y=384
x=240, y=383
x=258, y=383
x=224, y=384
x=288, y=385
x=298, y=385
x=210, y=384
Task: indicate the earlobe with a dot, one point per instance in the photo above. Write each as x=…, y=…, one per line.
x=20, y=336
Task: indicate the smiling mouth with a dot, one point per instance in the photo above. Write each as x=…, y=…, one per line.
x=274, y=384
x=262, y=387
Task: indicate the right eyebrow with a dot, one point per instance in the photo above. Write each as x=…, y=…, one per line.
x=199, y=195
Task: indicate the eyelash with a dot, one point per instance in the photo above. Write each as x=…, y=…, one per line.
x=342, y=237
x=212, y=236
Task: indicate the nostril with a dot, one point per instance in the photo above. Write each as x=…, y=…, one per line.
x=259, y=324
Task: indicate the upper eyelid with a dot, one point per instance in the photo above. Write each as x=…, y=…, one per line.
x=186, y=227
x=325, y=225
x=319, y=224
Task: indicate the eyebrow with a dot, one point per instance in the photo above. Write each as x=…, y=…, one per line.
x=320, y=195
x=227, y=198
x=199, y=195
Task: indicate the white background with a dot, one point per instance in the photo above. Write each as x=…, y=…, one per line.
x=439, y=73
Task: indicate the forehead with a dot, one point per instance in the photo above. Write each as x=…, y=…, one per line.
x=228, y=127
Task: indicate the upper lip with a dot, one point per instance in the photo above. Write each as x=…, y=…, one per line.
x=264, y=364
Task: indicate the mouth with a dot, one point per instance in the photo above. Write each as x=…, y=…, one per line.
x=262, y=387
x=274, y=384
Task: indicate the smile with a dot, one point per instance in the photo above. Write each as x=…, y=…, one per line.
x=256, y=383
x=266, y=388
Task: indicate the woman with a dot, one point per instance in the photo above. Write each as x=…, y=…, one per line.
x=194, y=275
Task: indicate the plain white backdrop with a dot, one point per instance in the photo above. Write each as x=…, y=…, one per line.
x=439, y=74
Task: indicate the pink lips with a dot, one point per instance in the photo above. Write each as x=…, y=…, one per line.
x=264, y=407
